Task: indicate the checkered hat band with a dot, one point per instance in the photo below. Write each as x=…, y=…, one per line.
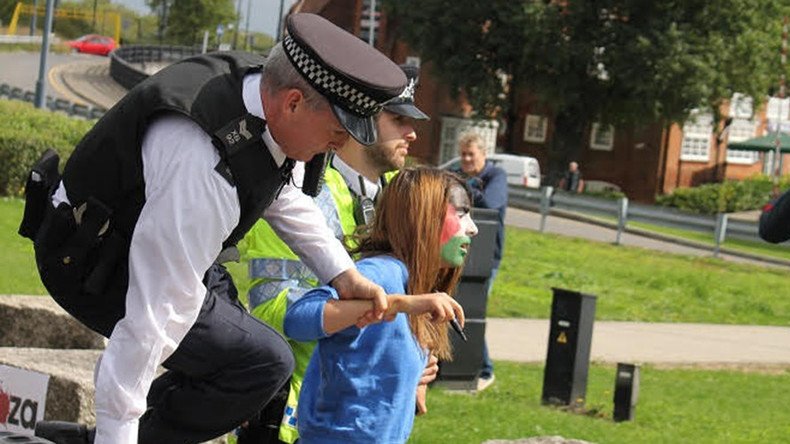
x=328, y=83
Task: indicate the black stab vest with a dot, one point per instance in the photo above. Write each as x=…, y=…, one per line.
x=107, y=163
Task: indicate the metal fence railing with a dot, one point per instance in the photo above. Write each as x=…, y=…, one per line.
x=53, y=104
x=128, y=63
x=546, y=201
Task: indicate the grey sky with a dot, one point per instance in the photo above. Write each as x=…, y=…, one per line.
x=263, y=13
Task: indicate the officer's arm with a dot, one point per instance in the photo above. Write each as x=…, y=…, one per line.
x=301, y=225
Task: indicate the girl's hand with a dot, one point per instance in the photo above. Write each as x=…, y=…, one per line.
x=422, y=393
x=440, y=307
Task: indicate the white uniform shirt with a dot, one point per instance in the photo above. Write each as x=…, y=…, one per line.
x=352, y=178
x=189, y=211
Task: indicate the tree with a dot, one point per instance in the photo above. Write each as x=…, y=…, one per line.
x=184, y=21
x=624, y=62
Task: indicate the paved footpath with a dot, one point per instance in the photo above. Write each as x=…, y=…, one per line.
x=526, y=340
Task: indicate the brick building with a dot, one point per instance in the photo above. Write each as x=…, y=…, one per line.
x=643, y=162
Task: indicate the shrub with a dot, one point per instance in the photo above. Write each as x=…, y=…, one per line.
x=727, y=197
x=25, y=132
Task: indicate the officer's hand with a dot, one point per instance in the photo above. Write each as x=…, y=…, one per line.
x=352, y=285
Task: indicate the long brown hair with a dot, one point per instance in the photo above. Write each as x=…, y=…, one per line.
x=407, y=225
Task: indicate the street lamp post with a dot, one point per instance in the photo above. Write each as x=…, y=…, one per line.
x=41, y=83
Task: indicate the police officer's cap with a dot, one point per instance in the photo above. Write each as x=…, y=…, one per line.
x=355, y=78
x=404, y=104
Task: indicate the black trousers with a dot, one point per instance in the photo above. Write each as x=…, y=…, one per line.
x=224, y=371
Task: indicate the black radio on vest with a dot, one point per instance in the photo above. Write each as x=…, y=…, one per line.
x=366, y=208
x=314, y=175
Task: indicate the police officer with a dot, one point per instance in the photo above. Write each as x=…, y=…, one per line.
x=775, y=220
x=353, y=180
x=177, y=170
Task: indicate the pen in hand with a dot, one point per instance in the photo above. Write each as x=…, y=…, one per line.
x=457, y=327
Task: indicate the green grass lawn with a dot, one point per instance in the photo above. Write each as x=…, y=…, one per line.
x=674, y=406
x=19, y=275
x=635, y=284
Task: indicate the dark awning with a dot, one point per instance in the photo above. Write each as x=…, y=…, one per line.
x=764, y=143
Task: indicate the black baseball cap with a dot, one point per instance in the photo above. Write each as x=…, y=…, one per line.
x=356, y=79
x=404, y=104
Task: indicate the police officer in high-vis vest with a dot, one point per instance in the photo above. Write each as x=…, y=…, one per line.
x=353, y=180
x=179, y=169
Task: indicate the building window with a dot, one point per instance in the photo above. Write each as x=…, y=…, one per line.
x=696, y=138
x=778, y=109
x=741, y=106
x=535, y=128
x=742, y=129
x=602, y=137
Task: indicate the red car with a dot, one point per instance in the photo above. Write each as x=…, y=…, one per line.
x=93, y=44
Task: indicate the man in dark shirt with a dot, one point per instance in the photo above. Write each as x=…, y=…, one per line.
x=572, y=180
x=488, y=184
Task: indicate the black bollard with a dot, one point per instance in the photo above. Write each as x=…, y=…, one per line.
x=568, y=356
x=626, y=391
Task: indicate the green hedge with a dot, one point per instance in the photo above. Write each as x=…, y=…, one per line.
x=726, y=197
x=25, y=132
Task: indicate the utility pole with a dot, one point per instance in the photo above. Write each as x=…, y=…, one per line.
x=236, y=27
x=95, y=3
x=41, y=83
x=247, y=41
x=279, y=23
x=162, y=21
x=777, y=161
x=372, y=29
x=33, y=19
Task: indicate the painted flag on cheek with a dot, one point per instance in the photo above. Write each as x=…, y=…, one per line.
x=451, y=224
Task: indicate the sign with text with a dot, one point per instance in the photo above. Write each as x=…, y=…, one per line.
x=23, y=394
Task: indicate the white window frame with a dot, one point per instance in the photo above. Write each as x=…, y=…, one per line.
x=741, y=106
x=778, y=109
x=535, y=127
x=697, y=133
x=742, y=129
x=599, y=139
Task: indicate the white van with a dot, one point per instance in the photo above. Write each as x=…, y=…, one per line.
x=521, y=170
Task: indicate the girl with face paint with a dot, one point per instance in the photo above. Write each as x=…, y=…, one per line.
x=457, y=226
x=361, y=383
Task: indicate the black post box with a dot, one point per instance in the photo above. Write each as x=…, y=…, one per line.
x=626, y=391
x=568, y=356
x=461, y=373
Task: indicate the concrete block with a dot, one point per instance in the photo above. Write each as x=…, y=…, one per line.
x=70, y=390
x=70, y=394
x=39, y=322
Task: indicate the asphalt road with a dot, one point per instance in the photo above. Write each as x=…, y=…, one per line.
x=20, y=69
